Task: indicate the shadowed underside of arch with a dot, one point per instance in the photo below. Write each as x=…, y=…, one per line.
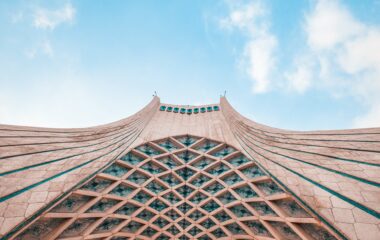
x=181, y=187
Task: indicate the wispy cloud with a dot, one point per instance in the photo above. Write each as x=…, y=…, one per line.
x=301, y=78
x=346, y=51
x=47, y=20
x=50, y=19
x=258, y=57
x=43, y=48
x=339, y=55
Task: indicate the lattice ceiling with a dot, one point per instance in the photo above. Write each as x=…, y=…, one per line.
x=182, y=187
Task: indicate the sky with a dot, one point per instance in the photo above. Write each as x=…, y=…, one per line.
x=300, y=65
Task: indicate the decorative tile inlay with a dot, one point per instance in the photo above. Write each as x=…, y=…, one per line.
x=158, y=205
x=72, y=204
x=187, y=140
x=148, y=150
x=102, y=206
x=257, y=228
x=122, y=190
x=224, y=152
x=207, y=145
x=132, y=159
x=108, y=225
x=168, y=145
x=127, y=209
x=169, y=161
x=186, y=156
x=116, y=170
x=137, y=178
x=203, y=163
x=202, y=190
x=97, y=185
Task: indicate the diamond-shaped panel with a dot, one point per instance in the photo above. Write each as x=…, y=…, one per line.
x=252, y=172
x=145, y=215
x=127, y=209
x=108, y=225
x=122, y=190
x=200, y=180
x=132, y=227
x=185, y=173
x=218, y=169
x=214, y=188
x=72, y=204
x=158, y=205
x=184, y=223
x=137, y=178
x=232, y=179
x=172, y=214
x=153, y=168
x=203, y=163
x=169, y=161
x=142, y=197
x=240, y=211
x=263, y=209
x=116, y=170
x=187, y=140
x=238, y=160
x=225, y=151
x=103, y=205
x=132, y=159
x=258, y=228
x=149, y=150
x=155, y=187
x=207, y=145
x=161, y=222
x=269, y=188
x=245, y=192
x=211, y=206
x=97, y=185
x=168, y=145
x=185, y=190
x=186, y=156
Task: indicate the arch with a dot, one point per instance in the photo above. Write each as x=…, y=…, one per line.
x=180, y=187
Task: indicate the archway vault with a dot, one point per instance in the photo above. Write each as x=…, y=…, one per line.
x=181, y=187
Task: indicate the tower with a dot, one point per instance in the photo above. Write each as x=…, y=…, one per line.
x=188, y=172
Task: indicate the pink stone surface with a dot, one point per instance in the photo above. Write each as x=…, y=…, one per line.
x=320, y=153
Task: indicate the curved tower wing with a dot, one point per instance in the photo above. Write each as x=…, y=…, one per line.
x=335, y=173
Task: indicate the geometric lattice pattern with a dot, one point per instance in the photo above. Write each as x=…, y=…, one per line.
x=181, y=187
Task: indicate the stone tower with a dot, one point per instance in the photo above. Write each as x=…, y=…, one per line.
x=188, y=172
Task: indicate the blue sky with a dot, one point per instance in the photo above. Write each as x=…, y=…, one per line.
x=300, y=65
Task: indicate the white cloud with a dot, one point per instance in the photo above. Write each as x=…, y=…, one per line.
x=43, y=48
x=362, y=53
x=261, y=61
x=330, y=23
x=47, y=48
x=46, y=19
x=301, y=78
x=50, y=19
x=371, y=119
x=346, y=51
x=258, y=57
